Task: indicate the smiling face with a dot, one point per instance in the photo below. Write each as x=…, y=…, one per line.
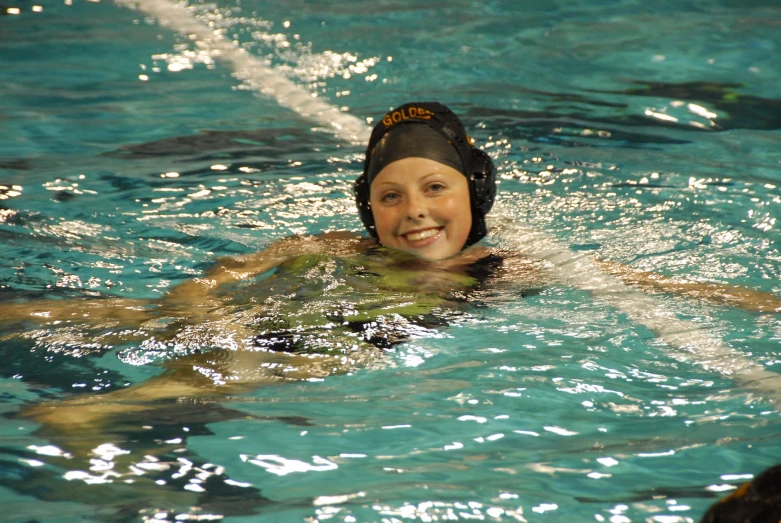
x=422, y=207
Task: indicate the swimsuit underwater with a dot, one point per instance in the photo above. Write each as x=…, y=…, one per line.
x=325, y=304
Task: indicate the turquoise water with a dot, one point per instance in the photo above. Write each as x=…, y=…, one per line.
x=647, y=134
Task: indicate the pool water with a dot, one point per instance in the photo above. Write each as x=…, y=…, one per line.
x=643, y=133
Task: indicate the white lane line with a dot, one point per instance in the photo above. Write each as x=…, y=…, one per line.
x=252, y=70
x=688, y=341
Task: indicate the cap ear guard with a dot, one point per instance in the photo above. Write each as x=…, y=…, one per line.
x=361, y=191
x=482, y=193
x=483, y=181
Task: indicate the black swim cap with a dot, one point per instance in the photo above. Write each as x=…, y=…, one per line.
x=756, y=502
x=412, y=140
x=405, y=132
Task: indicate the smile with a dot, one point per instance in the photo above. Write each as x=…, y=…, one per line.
x=416, y=236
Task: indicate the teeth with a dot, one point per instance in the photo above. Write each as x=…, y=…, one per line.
x=421, y=235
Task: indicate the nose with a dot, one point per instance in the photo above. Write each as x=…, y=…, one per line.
x=416, y=207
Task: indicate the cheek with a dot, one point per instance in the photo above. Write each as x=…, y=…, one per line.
x=461, y=223
x=459, y=210
x=384, y=222
x=464, y=224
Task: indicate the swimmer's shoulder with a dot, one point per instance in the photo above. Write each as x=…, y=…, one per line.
x=333, y=243
x=503, y=265
x=501, y=259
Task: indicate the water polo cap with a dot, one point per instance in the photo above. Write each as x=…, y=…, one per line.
x=428, y=130
x=756, y=502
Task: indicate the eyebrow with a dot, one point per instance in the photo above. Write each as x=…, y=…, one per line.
x=423, y=178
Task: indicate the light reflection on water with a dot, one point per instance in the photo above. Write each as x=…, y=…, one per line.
x=549, y=405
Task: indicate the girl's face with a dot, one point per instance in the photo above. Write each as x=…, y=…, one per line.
x=422, y=207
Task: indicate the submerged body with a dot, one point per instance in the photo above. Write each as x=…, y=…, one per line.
x=304, y=308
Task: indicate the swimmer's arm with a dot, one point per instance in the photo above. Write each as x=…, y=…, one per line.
x=226, y=270
x=186, y=298
x=207, y=377
x=740, y=297
x=233, y=269
x=122, y=311
x=189, y=299
x=520, y=271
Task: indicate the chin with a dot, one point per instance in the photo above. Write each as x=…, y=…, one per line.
x=434, y=256
x=438, y=253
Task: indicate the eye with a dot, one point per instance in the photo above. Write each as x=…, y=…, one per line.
x=390, y=197
x=436, y=187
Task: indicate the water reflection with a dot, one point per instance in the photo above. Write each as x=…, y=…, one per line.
x=739, y=110
x=611, y=118
x=271, y=143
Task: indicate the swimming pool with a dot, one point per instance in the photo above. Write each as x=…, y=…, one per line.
x=642, y=133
